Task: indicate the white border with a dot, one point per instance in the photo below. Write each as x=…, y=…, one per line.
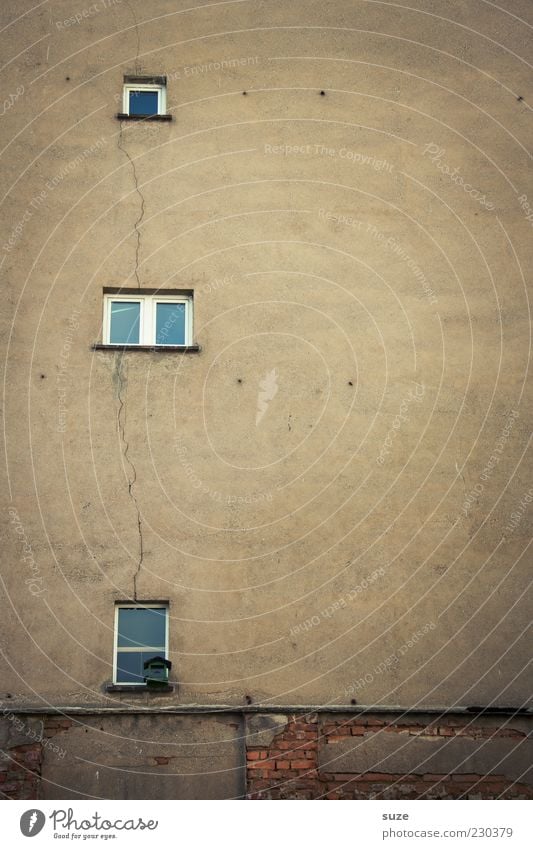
x=142, y=606
x=161, y=98
x=147, y=323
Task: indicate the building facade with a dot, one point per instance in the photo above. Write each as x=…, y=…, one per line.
x=266, y=402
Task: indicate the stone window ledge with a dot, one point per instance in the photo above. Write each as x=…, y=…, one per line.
x=124, y=116
x=138, y=688
x=165, y=349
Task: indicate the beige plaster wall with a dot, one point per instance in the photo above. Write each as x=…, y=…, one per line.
x=325, y=243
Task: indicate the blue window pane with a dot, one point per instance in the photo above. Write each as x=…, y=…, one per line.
x=143, y=102
x=170, y=324
x=125, y=321
x=142, y=626
x=130, y=666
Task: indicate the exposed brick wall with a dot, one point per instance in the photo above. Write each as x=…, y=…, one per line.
x=20, y=772
x=288, y=768
x=304, y=757
x=21, y=765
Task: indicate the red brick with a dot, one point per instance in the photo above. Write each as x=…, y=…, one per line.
x=358, y=730
x=254, y=774
x=379, y=776
x=446, y=731
x=256, y=765
x=161, y=761
x=10, y=787
x=429, y=776
x=345, y=776
x=303, y=764
x=283, y=765
x=466, y=777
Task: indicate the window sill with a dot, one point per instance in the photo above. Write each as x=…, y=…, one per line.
x=138, y=688
x=165, y=349
x=124, y=116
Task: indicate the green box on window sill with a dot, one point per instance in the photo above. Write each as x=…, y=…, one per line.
x=156, y=671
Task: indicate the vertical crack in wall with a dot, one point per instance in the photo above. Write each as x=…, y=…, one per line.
x=138, y=222
x=132, y=478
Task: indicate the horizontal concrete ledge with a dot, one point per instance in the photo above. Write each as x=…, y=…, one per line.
x=166, y=349
x=139, y=688
x=277, y=709
x=123, y=116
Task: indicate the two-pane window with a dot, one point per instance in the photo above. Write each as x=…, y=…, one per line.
x=141, y=633
x=147, y=320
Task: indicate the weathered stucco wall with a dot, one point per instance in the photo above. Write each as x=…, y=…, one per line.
x=356, y=755
x=366, y=538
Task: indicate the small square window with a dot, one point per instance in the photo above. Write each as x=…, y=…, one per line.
x=144, y=99
x=148, y=320
x=141, y=633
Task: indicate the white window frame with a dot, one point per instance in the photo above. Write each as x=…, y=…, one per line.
x=159, y=88
x=148, y=318
x=116, y=649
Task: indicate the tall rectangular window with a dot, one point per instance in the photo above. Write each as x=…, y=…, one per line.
x=141, y=633
x=125, y=322
x=170, y=326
